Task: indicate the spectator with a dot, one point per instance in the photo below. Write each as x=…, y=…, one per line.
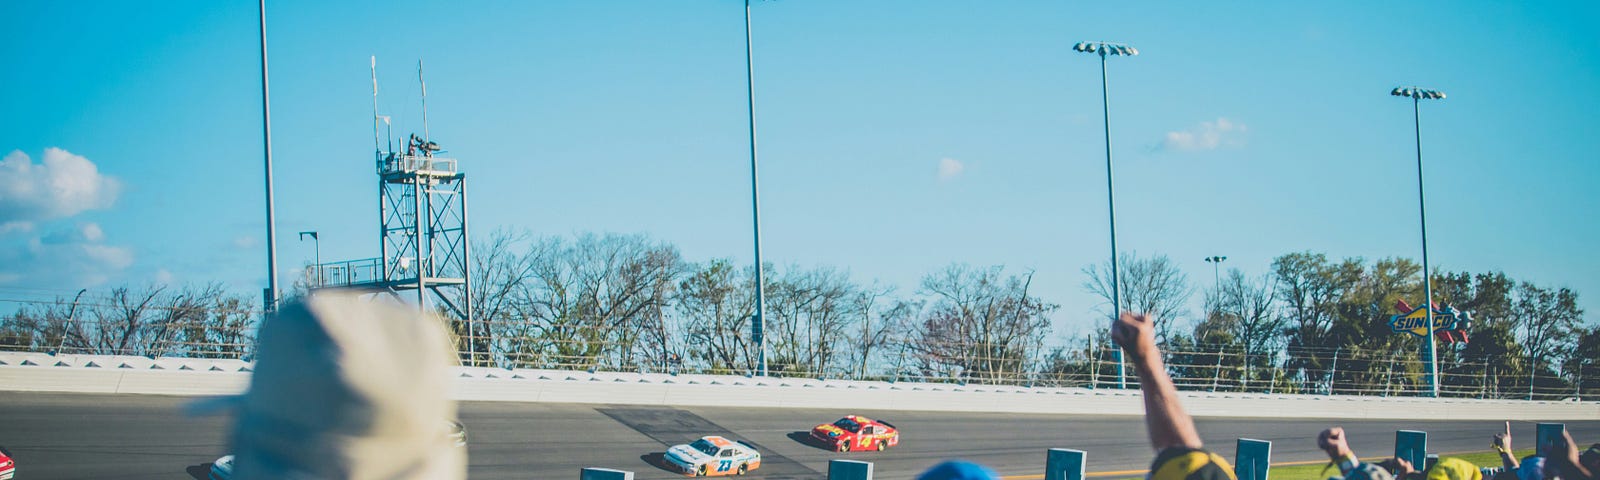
x=1333, y=442
x=1452, y=468
x=1590, y=459
x=1179, y=453
x=348, y=387
x=1530, y=468
x=1565, y=457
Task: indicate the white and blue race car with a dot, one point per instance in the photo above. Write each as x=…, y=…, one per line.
x=713, y=456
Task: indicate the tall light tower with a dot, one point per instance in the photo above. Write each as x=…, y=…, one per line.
x=1417, y=95
x=270, y=303
x=758, y=326
x=1104, y=49
x=1216, y=268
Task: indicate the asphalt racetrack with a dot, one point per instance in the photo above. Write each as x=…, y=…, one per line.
x=75, y=436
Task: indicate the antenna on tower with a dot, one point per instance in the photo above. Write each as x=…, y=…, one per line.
x=424, y=83
x=376, y=145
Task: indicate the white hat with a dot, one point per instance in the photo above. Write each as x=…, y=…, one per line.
x=351, y=388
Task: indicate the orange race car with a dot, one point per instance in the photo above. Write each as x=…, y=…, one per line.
x=855, y=432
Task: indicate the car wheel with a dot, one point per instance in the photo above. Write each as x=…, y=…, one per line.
x=702, y=471
x=880, y=445
x=843, y=447
x=744, y=468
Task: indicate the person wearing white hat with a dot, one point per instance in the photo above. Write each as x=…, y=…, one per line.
x=351, y=388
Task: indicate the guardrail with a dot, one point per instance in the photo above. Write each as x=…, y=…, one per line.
x=171, y=376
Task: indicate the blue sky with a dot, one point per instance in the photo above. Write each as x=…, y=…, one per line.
x=896, y=136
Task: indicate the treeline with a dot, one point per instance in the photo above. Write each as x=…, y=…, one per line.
x=625, y=302
x=193, y=321
x=631, y=303
x=1318, y=325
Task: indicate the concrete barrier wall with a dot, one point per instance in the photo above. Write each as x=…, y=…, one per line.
x=139, y=375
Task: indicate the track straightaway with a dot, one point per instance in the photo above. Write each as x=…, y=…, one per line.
x=80, y=436
x=671, y=426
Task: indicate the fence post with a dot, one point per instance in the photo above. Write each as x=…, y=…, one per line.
x=604, y=474
x=1334, y=372
x=1388, y=380
x=1483, y=388
x=1244, y=379
x=839, y=469
x=1094, y=363
x=1252, y=459
x=1216, y=372
x=1064, y=464
x=1273, y=386
x=1533, y=369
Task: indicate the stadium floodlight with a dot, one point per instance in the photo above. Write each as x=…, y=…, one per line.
x=1216, y=267
x=1104, y=49
x=1417, y=94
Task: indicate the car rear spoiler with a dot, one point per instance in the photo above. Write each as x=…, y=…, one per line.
x=887, y=424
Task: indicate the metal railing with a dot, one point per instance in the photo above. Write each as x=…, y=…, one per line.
x=392, y=164
x=345, y=273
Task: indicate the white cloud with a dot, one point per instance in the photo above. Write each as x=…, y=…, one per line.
x=950, y=168
x=245, y=242
x=1207, y=136
x=62, y=185
x=163, y=276
x=70, y=258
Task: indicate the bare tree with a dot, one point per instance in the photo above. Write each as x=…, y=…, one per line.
x=1151, y=285
x=716, y=303
x=123, y=324
x=980, y=324
x=589, y=300
x=1244, y=310
x=812, y=315
x=887, y=322
x=499, y=271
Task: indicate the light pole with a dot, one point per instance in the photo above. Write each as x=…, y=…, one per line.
x=758, y=326
x=317, y=247
x=271, y=299
x=1104, y=49
x=1216, y=267
x=1417, y=95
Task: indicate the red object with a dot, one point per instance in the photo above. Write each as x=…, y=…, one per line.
x=855, y=432
x=8, y=467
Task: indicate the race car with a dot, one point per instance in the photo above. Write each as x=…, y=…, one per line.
x=712, y=456
x=855, y=432
x=8, y=467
